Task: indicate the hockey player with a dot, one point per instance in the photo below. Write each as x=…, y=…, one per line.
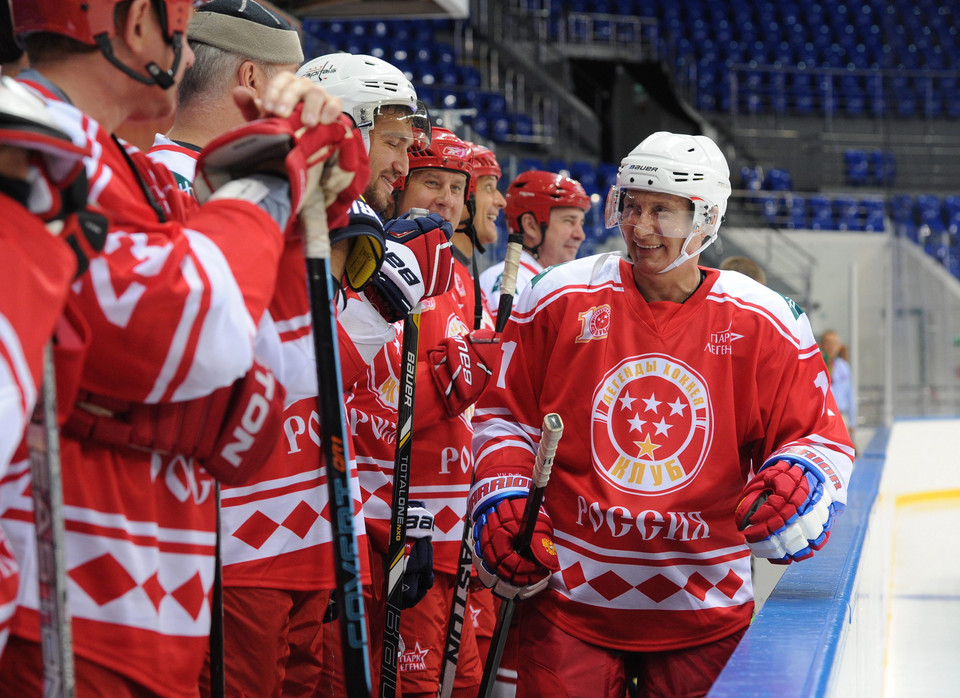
x=46, y=242
x=451, y=373
x=383, y=105
x=549, y=210
x=706, y=430
x=171, y=308
x=277, y=588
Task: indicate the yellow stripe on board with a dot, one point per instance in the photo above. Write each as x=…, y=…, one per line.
x=914, y=498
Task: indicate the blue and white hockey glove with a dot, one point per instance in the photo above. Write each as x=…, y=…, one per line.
x=418, y=264
x=418, y=569
x=499, y=564
x=786, y=511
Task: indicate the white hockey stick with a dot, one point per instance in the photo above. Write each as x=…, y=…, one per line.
x=56, y=637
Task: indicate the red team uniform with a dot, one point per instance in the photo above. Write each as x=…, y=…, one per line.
x=276, y=539
x=40, y=268
x=173, y=305
x=669, y=417
x=440, y=473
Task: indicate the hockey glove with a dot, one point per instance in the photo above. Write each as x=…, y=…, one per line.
x=418, y=264
x=786, y=511
x=418, y=569
x=499, y=564
x=365, y=231
x=284, y=147
x=53, y=183
x=231, y=432
x=461, y=367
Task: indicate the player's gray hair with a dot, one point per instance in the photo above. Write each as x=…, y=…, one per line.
x=213, y=72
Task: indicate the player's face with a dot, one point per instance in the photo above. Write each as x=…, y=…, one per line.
x=390, y=140
x=654, y=227
x=159, y=103
x=563, y=236
x=439, y=191
x=489, y=203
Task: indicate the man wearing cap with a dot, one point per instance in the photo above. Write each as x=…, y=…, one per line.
x=165, y=318
x=278, y=567
x=236, y=44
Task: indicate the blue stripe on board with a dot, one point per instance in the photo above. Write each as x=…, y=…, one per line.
x=791, y=647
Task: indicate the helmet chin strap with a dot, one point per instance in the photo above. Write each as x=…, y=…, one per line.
x=162, y=78
x=684, y=255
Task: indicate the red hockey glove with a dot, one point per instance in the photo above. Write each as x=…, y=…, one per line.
x=495, y=557
x=787, y=510
x=231, y=432
x=327, y=157
x=418, y=264
x=461, y=367
x=418, y=568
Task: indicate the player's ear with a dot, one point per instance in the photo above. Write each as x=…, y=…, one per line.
x=134, y=22
x=250, y=77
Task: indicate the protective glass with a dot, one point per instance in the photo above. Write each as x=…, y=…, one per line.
x=668, y=219
x=392, y=120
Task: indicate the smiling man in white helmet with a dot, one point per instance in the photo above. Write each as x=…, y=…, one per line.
x=706, y=431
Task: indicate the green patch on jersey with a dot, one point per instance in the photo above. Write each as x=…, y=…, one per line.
x=794, y=307
x=184, y=184
x=552, y=266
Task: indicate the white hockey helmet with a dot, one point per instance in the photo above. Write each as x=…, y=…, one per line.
x=365, y=84
x=688, y=166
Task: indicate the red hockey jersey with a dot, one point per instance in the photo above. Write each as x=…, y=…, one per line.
x=37, y=268
x=441, y=463
x=667, y=407
x=172, y=304
x=276, y=531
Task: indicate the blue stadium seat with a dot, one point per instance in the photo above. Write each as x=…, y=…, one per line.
x=821, y=213
x=856, y=166
x=848, y=213
x=874, y=218
x=929, y=213
x=796, y=212
x=770, y=208
x=777, y=179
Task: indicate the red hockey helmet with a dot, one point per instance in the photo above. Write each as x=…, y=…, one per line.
x=537, y=192
x=445, y=152
x=91, y=22
x=484, y=163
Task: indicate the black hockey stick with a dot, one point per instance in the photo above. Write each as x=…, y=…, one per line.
x=458, y=609
x=56, y=636
x=349, y=593
x=394, y=563
x=508, y=284
x=549, y=439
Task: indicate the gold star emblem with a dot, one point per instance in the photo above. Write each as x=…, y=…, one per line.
x=647, y=447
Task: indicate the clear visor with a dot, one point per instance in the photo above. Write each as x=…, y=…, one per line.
x=395, y=121
x=667, y=215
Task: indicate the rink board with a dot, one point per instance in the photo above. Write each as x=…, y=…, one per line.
x=873, y=613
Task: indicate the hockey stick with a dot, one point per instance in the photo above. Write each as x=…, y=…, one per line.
x=349, y=593
x=395, y=561
x=56, y=636
x=549, y=439
x=508, y=285
x=458, y=609
x=218, y=676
